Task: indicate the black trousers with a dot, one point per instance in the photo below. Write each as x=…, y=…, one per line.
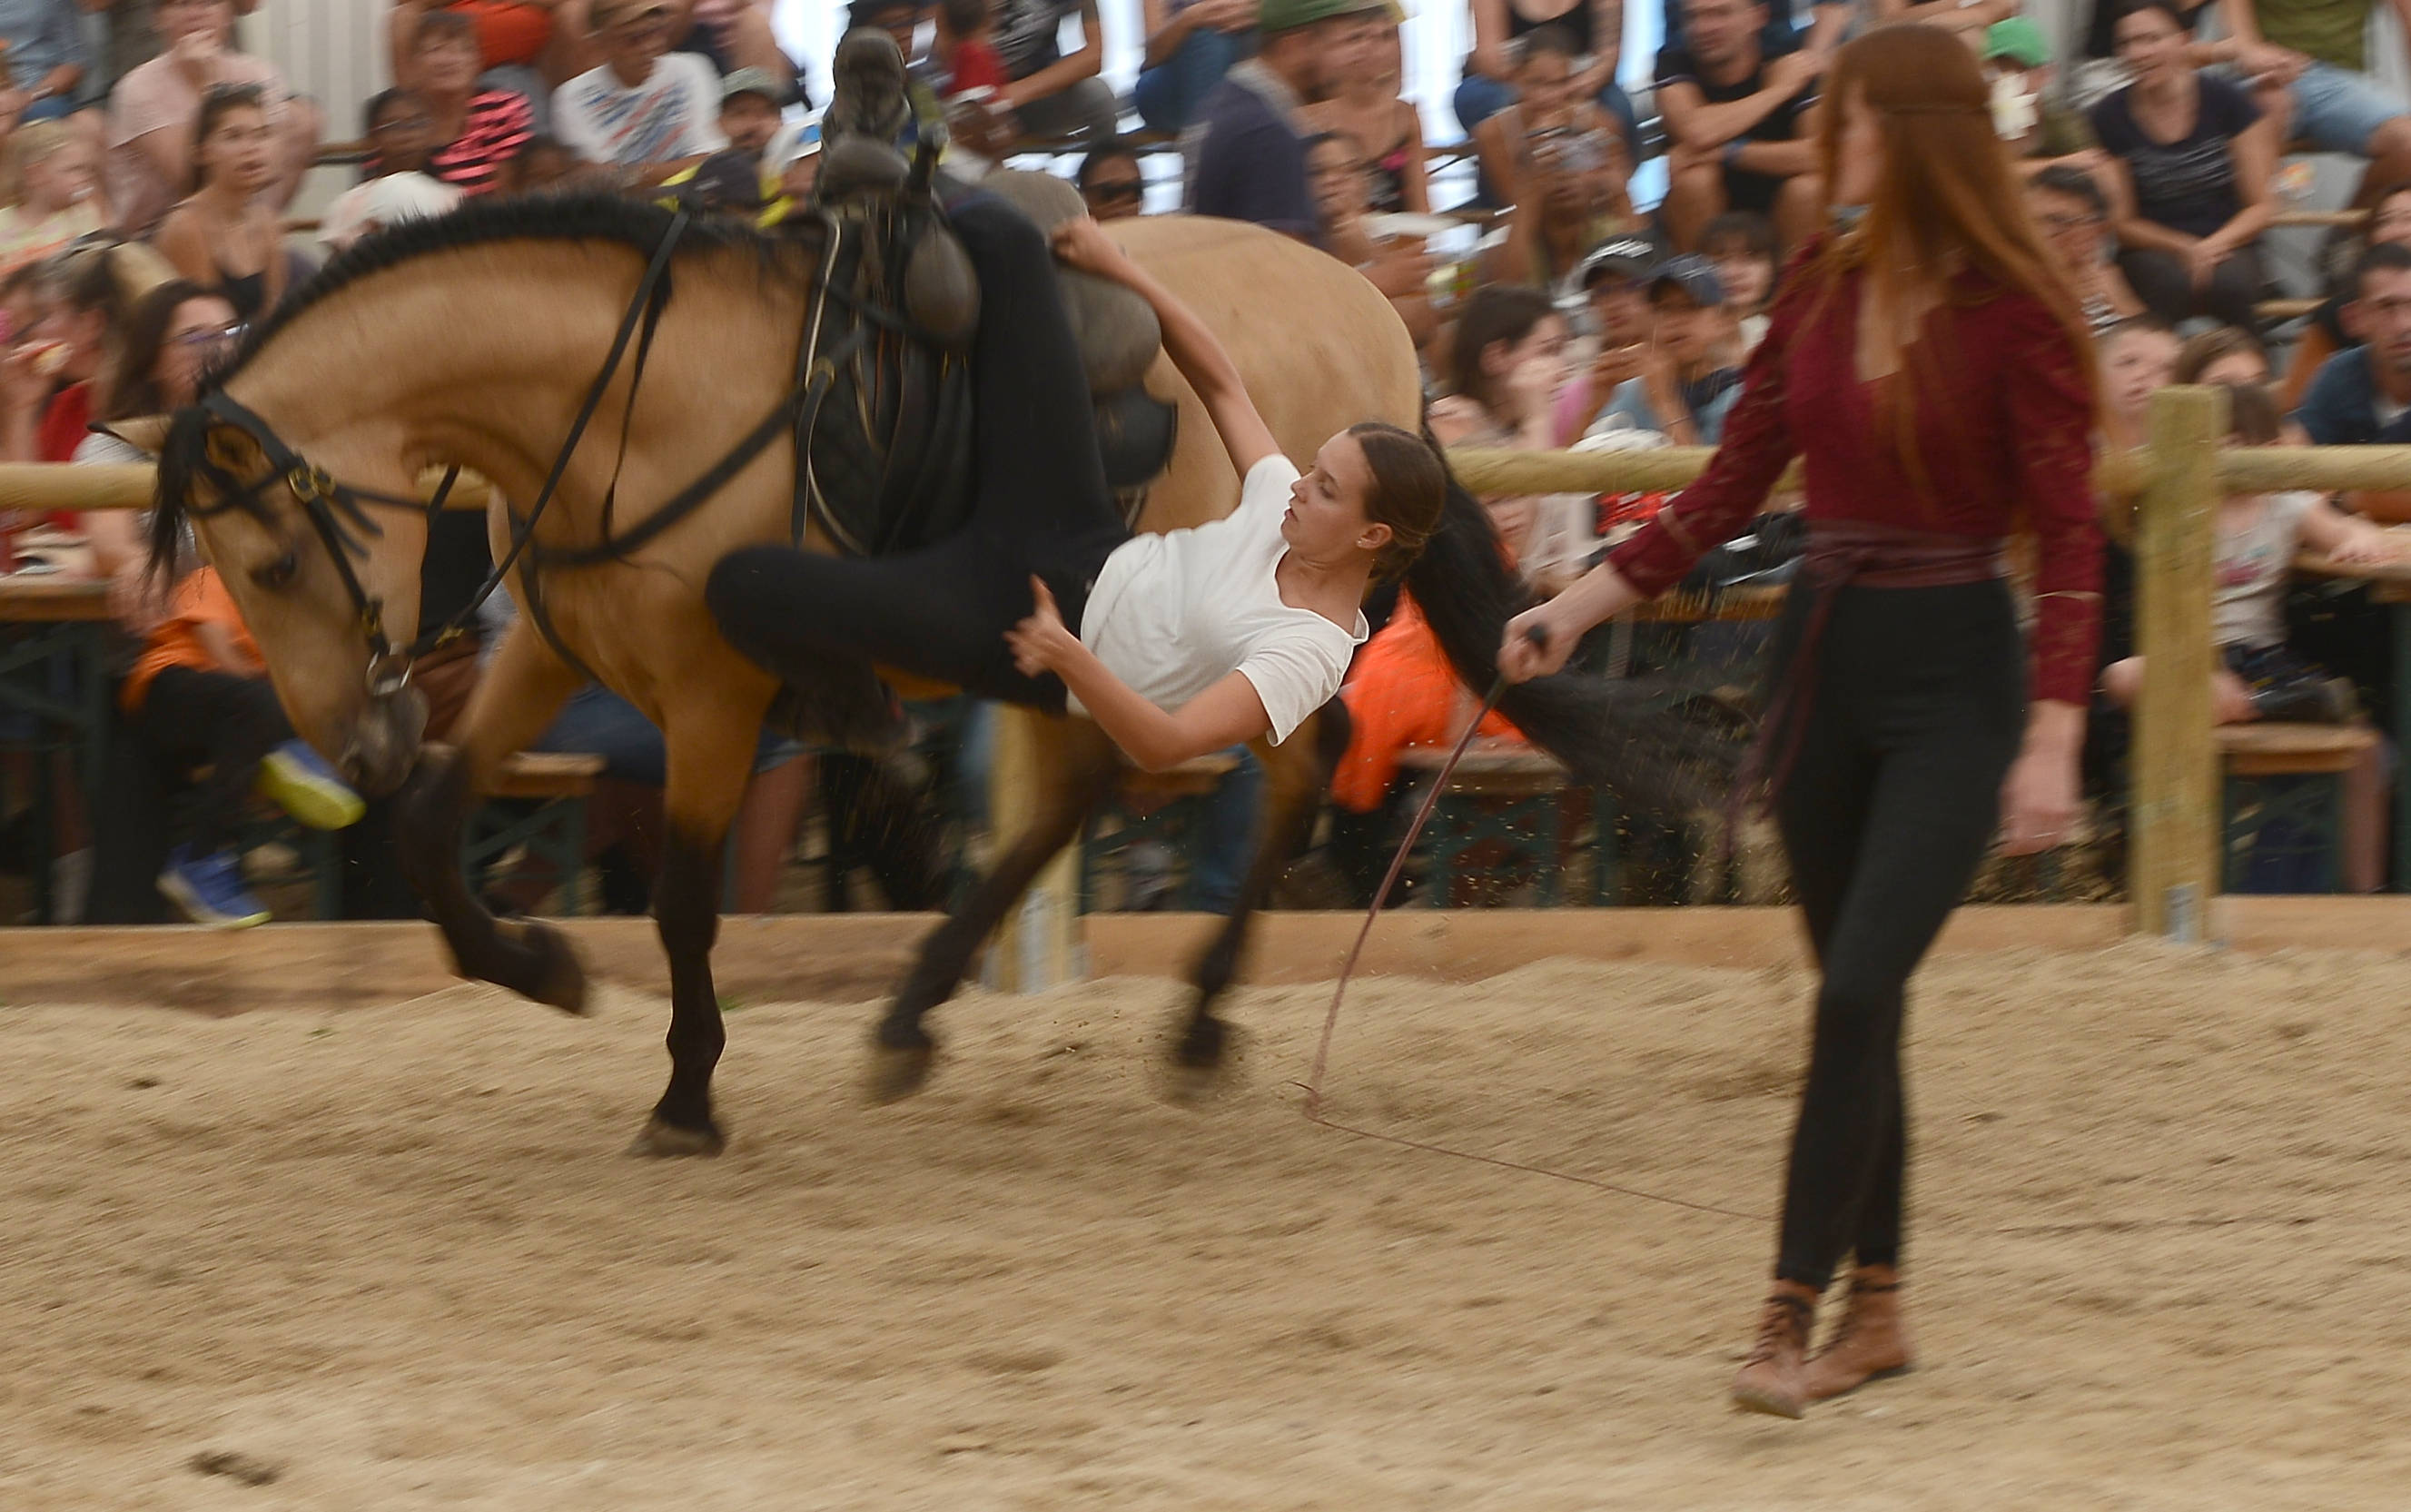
x=1916, y=709
x=1042, y=507
x=2165, y=285
x=191, y=718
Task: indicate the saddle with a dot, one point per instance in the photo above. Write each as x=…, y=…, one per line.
x=884, y=449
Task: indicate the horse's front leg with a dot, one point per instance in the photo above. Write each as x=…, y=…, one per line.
x=1076, y=769
x=1297, y=772
x=712, y=730
x=514, y=701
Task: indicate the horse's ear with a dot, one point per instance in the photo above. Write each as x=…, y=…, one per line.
x=145, y=434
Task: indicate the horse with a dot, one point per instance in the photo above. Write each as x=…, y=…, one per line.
x=471, y=341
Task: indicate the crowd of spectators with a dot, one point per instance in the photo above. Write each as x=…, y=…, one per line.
x=149, y=165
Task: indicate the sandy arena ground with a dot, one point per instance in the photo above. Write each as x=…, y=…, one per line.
x=396, y=1258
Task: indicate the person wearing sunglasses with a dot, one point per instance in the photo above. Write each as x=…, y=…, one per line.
x=1111, y=182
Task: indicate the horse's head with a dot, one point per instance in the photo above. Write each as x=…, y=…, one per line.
x=322, y=562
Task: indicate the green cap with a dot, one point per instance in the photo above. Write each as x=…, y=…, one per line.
x=1289, y=15
x=2017, y=39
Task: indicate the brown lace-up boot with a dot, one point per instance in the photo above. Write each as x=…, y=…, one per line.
x=1871, y=1343
x=1774, y=1380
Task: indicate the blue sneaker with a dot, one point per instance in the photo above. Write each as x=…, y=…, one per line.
x=210, y=890
x=298, y=780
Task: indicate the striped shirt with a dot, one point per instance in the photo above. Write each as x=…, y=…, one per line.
x=498, y=125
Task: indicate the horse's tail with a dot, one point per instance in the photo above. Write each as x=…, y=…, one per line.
x=1627, y=735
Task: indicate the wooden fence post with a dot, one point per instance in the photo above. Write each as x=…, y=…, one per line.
x=2174, y=819
x=1038, y=945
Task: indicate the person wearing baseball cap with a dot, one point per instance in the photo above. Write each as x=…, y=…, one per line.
x=740, y=178
x=648, y=111
x=1688, y=381
x=2039, y=132
x=1614, y=277
x=1249, y=162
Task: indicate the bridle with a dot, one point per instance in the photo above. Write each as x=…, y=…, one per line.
x=338, y=514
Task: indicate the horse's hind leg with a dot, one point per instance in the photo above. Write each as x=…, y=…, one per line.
x=517, y=698
x=712, y=730
x=1297, y=772
x=1079, y=770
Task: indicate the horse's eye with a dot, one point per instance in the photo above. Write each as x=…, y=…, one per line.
x=279, y=573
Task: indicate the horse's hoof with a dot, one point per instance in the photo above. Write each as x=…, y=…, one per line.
x=1205, y=1065
x=668, y=1142
x=899, y=1071
x=555, y=979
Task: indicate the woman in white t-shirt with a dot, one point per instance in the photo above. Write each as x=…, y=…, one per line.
x=1188, y=641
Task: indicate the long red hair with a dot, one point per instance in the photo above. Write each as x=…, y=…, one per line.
x=1948, y=200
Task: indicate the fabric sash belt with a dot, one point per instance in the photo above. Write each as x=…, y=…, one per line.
x=1846, y=554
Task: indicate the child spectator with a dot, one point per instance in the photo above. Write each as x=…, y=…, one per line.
x=2259, y=538
x=541, y=163
x=2390, y=220
x=52, y=382
x=399, y=188
x=1364, y=103
x=646, y=111
x=1689, y=381
x=2074, y=217
x=1191, y=44
x=1742, y=248
x=2139, y=358
x=964, y=48
x=152, y=111
x=740, y=178
x=2194, y=159
x=1492, y=69
x=473, y=131
x=2223, y=356
x=200, y=696
x=223, y=236
x=54, y=176
x=1111, y=182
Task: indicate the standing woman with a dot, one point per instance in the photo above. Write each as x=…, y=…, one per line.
x=224, y=236
x=2192, y=162
x=1936, y=375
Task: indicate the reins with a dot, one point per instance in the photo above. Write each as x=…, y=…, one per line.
x=1312, y=1085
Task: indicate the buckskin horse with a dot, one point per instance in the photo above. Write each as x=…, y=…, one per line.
x=476, y=341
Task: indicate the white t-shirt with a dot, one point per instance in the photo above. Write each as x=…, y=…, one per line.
x=2247, y=599
x=1173, y=614
x=674, y=114
x=383, y=203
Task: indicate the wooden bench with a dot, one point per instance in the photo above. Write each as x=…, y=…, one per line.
x=537, y=807
x=1512, y=799
x=2288, y=775
x=1167, y=807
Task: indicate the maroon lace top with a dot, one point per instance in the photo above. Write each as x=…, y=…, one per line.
x=2004, y=430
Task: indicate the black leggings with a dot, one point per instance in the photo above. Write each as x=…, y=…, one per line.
x=1916, y=709
x=191, y=718
x=1042, y=505
x=2163, y=282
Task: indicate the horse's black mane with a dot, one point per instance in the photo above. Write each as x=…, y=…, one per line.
x=582, y=217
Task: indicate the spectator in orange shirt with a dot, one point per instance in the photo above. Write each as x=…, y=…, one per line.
x=200, y=696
